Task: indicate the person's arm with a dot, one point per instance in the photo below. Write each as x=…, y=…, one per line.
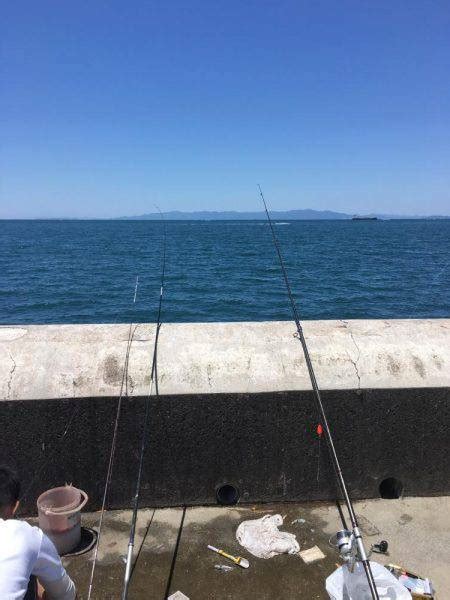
x=41, y=593
x=51, y=574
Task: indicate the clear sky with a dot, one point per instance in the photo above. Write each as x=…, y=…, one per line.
x=109, y=107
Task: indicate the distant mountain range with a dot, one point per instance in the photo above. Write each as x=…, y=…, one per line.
x=305, y=214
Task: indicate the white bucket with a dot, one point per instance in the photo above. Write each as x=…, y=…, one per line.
x=59, y=516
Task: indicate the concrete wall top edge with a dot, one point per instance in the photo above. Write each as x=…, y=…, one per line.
x=66, y=361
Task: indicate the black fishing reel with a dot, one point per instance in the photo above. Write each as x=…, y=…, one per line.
x=380, y=548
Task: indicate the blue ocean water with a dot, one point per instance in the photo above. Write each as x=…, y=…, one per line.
x=85, y=271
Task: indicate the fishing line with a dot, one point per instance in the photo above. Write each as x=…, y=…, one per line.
x=123, y=385
x=144, y=435
x=76, y=409
x=324, y=420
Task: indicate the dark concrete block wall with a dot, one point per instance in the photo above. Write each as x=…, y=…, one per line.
x=264, y=444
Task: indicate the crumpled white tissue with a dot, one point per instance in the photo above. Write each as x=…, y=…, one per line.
x=262, y=538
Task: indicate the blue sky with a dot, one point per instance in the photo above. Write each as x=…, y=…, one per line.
x=110, y=107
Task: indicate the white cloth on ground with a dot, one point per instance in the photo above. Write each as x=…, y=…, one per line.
x=262, y=538
x=25, y=551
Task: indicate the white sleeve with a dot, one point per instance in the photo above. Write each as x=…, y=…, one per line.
x=63, y=589
x=50, y=572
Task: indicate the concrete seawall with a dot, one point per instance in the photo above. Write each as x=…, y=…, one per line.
x=235, y=406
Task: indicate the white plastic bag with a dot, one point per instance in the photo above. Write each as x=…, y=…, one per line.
x=344, y=585
x=262, y=538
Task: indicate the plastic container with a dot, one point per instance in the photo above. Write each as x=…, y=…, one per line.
x=59, y=516
x=345, y=585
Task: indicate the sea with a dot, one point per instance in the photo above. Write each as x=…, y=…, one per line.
x=69, y=271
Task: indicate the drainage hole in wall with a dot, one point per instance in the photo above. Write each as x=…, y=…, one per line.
x=391, y=488
x=227, y=494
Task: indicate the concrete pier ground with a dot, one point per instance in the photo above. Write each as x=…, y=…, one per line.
x=171, y=551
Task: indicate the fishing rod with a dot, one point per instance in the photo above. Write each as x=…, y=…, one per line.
x=123, y=391
x=153, y=380
x=355, y=532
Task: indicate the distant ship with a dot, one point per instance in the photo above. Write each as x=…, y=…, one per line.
x=358, y=218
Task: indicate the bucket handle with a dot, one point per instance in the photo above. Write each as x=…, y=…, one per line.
x=48, y=511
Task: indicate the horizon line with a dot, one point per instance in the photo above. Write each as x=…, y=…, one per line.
x=148, y=216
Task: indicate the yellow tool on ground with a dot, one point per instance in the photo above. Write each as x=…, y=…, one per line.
x=238, y=560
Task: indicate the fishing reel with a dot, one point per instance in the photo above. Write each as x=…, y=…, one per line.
x=380, y=548
x=345, y=543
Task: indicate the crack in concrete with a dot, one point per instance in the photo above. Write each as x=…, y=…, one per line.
x=208, y=374
x=355, y=362
x=282, y=365
x=130, y=382
x=11, y=374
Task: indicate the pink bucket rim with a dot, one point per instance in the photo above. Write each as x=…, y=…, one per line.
x=71, y=507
